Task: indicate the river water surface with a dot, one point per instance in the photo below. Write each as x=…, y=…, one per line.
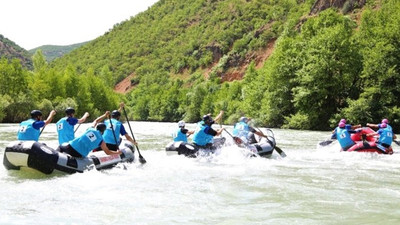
x=310, y=186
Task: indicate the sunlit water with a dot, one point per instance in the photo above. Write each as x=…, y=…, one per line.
x=310, y=186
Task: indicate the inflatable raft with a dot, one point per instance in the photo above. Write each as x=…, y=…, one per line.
x=191, y=150
x=264, y=148
x=367, y=144
x=43, y=158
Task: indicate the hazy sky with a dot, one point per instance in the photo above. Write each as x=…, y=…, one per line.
x=33, y=23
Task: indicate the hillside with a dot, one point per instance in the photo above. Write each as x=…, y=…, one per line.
x=52, y=52
x=10, y=50
x=302, y=64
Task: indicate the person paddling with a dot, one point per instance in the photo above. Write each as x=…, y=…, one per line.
x=181, y=134
x=246, y=132
x=344, y=136
x=29, y=130
x=65, y=126
x=204, y=134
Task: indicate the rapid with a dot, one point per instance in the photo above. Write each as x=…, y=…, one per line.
x=312, y=185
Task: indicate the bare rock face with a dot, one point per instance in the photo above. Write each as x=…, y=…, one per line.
x=321, y=5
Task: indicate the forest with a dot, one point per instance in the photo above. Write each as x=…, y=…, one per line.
x=339, y=63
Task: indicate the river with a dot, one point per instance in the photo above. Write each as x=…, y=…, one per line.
x=310, y=186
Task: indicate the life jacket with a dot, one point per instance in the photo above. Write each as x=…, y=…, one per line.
x=179, y=136
x=65, y=131
x=108, y=133
x=27, y=132
x=200, y=137
x=88, y=141
x=241, y=130
x=386, y=136
x=344, y=138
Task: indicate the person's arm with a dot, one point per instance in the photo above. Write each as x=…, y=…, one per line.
x=219, y=116
x=373, y=126
x=121, y=106
x=108, y=151
x=50, y=118
x=84, y=117
x=100, y=118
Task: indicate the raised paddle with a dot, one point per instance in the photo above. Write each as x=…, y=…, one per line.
x=141, y=159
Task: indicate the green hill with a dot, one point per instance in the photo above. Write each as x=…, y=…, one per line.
x=10, y=50
x=52, y=52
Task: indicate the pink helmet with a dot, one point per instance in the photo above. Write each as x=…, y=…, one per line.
x=383, y=125
x=343, y=121
x=385, y=121
x=341, y=124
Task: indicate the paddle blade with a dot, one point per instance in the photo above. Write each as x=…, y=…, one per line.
x=237, y=140
x=141, y=159
x=325, y=143
x=280, y=151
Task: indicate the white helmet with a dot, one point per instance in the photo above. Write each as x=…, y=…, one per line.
x=181, y=123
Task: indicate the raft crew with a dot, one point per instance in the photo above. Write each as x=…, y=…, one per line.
x=91, y=139
x=29, y=130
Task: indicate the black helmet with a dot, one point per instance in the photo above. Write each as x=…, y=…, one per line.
x=35, y=113
x=115, y=114
x=101, y=127
x=206, y=118
x=69, y=111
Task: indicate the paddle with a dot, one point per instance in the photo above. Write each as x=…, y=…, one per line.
x=397, y=142
x=112, y=128
x=237, y=140
x=77, y=128
x=141, y=159
x=279, y=150
x=326, y=142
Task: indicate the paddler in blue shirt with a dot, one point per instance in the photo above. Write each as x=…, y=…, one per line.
x=386, y=137
x=88, y=141
x=65, y=126
x=117, y=130
x=204, y=134
x=181, y=134
x=343, y=136
x=378, y=126
x=29, y=130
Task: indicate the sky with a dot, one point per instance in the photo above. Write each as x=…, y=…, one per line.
x=33, y=23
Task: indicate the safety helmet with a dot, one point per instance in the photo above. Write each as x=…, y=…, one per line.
x=101, y=127
x=343, y=121
x=385, y=121
x=206, y=118
x=243, y=119
x=69, y=110
x=383, y=125
x=115, y=114
x=36, y=113
x=342, y=125
x=181, y=123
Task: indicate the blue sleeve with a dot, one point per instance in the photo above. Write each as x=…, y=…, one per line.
x=348, y=126
x=122, y=130
x=38, y=124
x=72, y=121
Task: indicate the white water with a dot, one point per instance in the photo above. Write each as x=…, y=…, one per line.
x=310, y=186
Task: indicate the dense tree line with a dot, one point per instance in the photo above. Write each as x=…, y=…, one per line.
x=46, y=89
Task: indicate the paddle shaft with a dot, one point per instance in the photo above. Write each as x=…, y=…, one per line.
x=112, y=128
x=141, y=159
